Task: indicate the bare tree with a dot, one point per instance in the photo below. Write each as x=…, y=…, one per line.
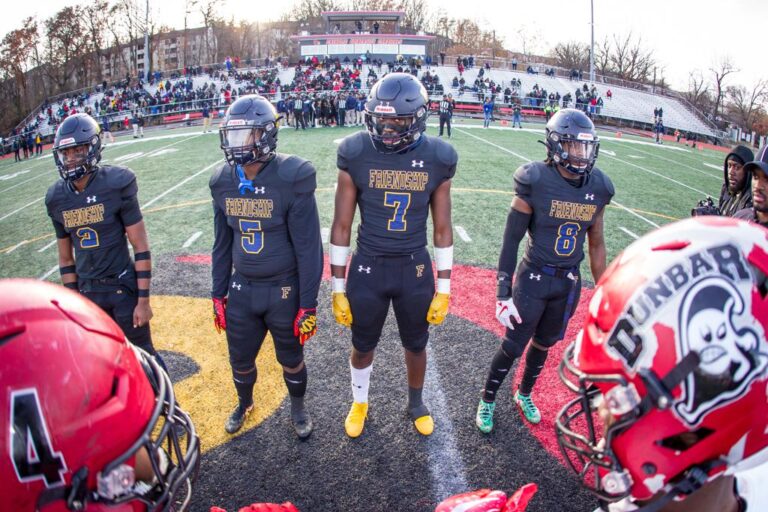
x=416, y=14
x=96, y=19
x=603, y=57
x=721, y=69
x=67, y=44
x=17, y=51
x=698, y=91
x=571, y=55
x=630, y=60
x=747, y=105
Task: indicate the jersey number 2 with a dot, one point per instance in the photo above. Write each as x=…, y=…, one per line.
x=400, y=201
x=252, y=238
x=89, y=238
x=566, y=238
x=31, y=451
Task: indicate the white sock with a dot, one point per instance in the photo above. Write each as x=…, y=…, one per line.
x=361, y=379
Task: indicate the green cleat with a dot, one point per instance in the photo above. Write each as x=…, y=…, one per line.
x=484, y=417
x=530, y=411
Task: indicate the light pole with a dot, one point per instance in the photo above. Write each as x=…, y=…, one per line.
x=592, y=46
x=146, y=44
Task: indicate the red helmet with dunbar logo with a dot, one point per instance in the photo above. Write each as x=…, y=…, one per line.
x=88, y=419
x=671, y=366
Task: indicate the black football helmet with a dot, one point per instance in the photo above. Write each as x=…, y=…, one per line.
x=572, y=141
x=77, y=130
x=396, y=112
x=249, y=130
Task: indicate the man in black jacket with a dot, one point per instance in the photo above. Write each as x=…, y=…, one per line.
x=736, y=193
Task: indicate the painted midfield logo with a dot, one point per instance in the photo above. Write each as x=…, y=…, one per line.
x=90, y=199
x=361, y=268
x=236, y=285
x=589, y=197
x=535, y=276
x=417, y=163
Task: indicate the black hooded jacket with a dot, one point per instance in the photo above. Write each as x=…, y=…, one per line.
x=730, y=204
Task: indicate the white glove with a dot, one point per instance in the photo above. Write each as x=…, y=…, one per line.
x=506, y=311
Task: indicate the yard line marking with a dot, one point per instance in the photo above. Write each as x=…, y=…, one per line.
x=718, y=167
x=182, y=182
x=192, y=239
x=705, y=173
x=629, y=232
x=47, y=246
x=520, y=156
x=19, y=183
x=5, y=177
x=20, y=209
x=661, y=176
x=163, y=151
x=325, y=233
x=445, y=464
x=649, y=221
x=463, y=233
x=13, y=248
x=48, y=274
x=492, y=144
x=129, y=156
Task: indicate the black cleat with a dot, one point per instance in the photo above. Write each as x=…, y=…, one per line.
x=237, y=418
x=303, y=425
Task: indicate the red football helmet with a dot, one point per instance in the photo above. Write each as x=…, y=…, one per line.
x=92, y=420
x=670, y=367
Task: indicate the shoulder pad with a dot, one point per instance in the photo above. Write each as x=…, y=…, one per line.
x=446, y=153
x=606, y=181
x=218, y=174
x=351, y=147
x=53, y=191
x=528, y=174
x=298, y=172
x=117, y=178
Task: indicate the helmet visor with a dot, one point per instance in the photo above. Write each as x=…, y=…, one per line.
x=391, y=129
x=73, y=157
x=581, y=153
x=241, y=137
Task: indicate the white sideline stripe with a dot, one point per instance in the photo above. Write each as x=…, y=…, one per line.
x=629, y=232
x=445, y=464
x=325, y=234
x=19, y=183
x=183, y=182
x=19, y=209
x=520, y=156
x=129, y=156
x=718, y=167
x=461, y=130
x=47, y=246
x=48, y=274
x=192, y=239
x=661, y=176
x=463, y=234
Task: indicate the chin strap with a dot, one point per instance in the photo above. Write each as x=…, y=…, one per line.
x=692, y=480
x=245, y=185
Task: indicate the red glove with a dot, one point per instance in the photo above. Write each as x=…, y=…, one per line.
x=219, y=314
x=481, y=500
x=263, y=507
x=519, y=501
x=305, y=325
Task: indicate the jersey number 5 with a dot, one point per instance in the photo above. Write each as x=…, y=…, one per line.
x=89, y=238
x=252, y=238
x=566, y=238
x=400, y=201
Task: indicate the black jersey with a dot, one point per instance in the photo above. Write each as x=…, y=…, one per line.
x=95, y=220
x=394, y=191
x=562, y=213
x=270, y=232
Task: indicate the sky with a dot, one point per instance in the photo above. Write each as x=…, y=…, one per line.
x=685, y=35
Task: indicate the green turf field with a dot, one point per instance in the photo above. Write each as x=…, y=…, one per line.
x=654, y=185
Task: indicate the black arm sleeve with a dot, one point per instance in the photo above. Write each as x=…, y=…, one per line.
x=221, y=259
x=517, y=225
x=304, y=230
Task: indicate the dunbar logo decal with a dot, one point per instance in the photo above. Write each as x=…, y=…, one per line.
x=712, y=319
x=711, y=313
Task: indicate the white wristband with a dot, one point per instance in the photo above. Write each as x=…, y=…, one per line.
x=443, y=285
x=338, y=284
x=339, y=255
x=444, y=258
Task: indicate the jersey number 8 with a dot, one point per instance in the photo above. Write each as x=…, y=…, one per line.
x=566, y=238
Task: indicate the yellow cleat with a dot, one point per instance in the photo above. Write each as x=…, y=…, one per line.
x=425, y=425
x=356, y=419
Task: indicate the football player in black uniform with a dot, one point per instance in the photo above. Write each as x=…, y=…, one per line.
x=557, y=202
x=93, y=207
x=267, y=228
x=396, y=174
